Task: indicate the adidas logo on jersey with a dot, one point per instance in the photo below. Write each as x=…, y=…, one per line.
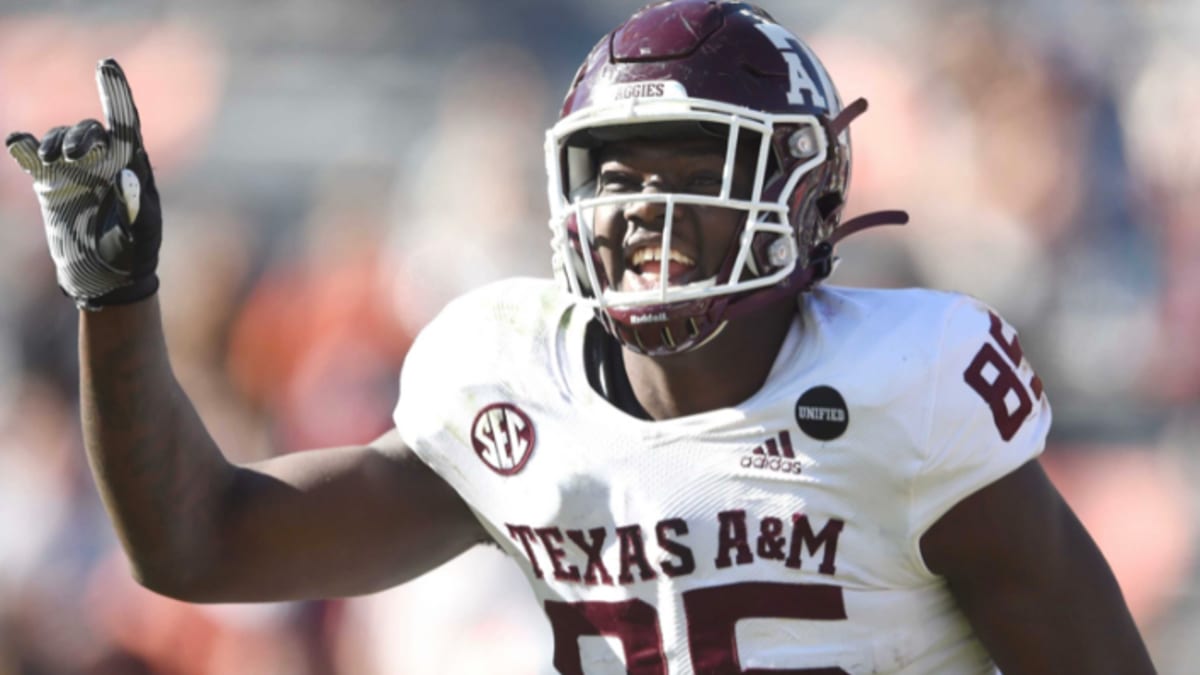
x=775, y=454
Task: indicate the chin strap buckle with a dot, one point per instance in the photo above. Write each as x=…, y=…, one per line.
x=821, y=258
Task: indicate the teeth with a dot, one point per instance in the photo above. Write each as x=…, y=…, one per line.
x=655, y=254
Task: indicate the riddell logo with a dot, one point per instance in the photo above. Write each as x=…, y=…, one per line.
x=648, y=318
x=775, y=454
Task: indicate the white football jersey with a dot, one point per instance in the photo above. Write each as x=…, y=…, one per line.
x=780, y=535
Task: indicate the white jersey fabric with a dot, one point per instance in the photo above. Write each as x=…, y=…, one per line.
x=780, y=535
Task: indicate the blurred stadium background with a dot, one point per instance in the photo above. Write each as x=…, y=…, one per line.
x=332, y=173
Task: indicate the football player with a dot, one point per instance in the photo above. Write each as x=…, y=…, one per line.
x=704, y=459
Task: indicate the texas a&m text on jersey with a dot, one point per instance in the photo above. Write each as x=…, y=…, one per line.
x=705, y=459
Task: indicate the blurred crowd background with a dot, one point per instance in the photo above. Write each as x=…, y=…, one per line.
x=332, y=173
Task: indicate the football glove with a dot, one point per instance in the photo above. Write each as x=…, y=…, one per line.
x=99, y=203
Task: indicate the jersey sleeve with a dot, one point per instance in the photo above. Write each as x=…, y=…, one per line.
x=987, y=413
x=478, y=348
x=429, y=374
x=455, y=357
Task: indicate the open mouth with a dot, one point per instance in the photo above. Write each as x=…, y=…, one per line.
x=644, y=269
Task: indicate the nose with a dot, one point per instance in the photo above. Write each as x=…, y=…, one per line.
x=647, y=213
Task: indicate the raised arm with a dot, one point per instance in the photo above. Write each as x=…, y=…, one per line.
x=1032, y=582
x=322, y=523
x=332, y=522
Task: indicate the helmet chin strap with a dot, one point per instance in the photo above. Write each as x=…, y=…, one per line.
x=843, y=119
x=821, y=257
x=866, y=220
x=834, y=127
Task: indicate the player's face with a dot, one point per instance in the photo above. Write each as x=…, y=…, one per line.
x=629, y=235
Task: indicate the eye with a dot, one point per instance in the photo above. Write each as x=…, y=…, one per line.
x=616, y=181
x=705, y=182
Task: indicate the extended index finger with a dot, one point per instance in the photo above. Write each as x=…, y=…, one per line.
x=117, y=99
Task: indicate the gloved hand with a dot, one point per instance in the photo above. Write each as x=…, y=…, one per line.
x=99, y=203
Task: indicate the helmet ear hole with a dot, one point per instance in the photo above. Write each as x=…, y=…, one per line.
x=828, y=204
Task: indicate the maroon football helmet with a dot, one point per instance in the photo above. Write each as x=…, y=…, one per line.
x=724, y=69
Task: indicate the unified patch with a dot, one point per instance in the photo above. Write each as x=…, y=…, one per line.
x=821, y=413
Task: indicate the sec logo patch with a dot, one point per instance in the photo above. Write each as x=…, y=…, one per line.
x=503, y=437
